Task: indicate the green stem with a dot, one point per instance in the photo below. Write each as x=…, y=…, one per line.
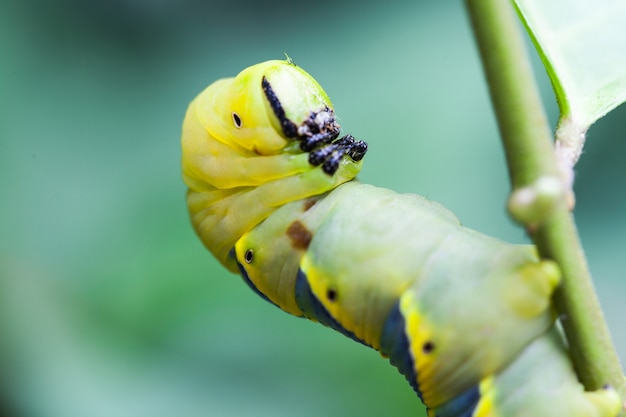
x=527, y=140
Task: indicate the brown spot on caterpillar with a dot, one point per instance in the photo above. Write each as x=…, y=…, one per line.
x=308, y=203
x=299, y=235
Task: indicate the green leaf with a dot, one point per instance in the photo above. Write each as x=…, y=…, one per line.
x=582, y=44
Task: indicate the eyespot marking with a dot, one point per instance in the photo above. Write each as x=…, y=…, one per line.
x=237, y=120
x=249, y=256
x=299, y=235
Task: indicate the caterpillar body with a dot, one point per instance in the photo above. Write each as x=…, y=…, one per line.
x=466, y=318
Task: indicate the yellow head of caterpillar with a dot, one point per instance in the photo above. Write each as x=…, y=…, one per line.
x=255, y=142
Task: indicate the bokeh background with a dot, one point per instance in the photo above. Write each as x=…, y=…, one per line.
x=109, y=304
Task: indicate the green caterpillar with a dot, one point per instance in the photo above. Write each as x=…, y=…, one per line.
x=465, y=318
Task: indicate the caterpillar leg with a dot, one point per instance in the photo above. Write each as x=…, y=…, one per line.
x=330, y=155
x=541, y=383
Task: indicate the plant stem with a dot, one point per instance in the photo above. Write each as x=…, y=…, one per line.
x=527, y=140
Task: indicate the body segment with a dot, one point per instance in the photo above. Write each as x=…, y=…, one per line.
x=347, y=270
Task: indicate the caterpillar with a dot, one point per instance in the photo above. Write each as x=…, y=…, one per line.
x=466, y=318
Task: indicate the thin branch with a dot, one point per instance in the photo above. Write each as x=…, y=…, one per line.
x=527, y=140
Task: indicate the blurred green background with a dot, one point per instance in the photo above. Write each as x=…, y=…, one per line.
x=109, y=304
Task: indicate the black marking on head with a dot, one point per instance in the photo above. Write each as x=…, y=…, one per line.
x=428, y=347
x=299, y=235
x=319, y=129
x=290, y=130
x=312, y=141
x=329, y=155
x=318, y=156
x=237, y=120
x=317, y=134
x=331, y=164
x=358, y=149
x=249, y=256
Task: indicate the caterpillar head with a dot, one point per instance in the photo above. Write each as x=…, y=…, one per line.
x=261, y=109
x=255, y=142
